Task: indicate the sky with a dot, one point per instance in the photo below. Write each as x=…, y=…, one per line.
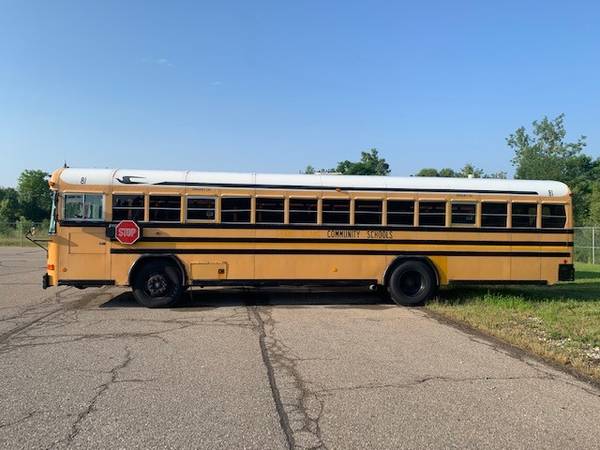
x=272, y=86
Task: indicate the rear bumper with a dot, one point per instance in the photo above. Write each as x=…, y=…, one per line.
x=45, y=281
x=566, y=272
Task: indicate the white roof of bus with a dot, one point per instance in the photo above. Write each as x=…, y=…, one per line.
x=345, y=182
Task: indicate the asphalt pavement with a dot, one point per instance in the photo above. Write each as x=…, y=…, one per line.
x=265, y=369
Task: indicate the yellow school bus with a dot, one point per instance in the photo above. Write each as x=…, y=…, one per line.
x=161, y=232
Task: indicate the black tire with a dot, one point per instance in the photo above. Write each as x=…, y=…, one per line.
x=412, y=283
x=157, y=284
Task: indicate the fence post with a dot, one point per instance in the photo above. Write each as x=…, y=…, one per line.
x=593, y=245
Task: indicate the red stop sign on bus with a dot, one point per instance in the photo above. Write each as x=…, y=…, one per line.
x=127, y=232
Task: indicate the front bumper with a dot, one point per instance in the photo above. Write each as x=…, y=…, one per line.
x=45, y=281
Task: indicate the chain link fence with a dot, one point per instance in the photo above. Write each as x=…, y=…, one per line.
x=587, y=239
x=587, y=244
x=13, y=233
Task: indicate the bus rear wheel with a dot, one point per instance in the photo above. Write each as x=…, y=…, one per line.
x=157, y=284
x=412, y=283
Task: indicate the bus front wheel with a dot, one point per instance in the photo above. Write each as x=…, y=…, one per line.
x=412, y=283
x=157, y=284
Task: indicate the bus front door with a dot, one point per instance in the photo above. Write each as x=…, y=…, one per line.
x=85, y=256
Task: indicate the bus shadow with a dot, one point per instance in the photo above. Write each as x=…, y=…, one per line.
x=354, y=298
x=232, y=297
x=587, y=275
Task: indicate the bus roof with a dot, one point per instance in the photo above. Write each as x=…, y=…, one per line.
x=123, y=177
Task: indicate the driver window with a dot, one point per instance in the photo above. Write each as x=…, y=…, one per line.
x=83, y=206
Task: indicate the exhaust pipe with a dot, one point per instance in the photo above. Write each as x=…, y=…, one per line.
x=372, y=287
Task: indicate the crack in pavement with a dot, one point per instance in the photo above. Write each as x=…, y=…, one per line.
x=24, y=340
x=428, y=379
x=254, y=317
x=9, y=347
x=299, y=408
x=101, y=390
x=536, y=363
x=19, y=420
x=79, y=302
x=538, y=366
x=33, y=309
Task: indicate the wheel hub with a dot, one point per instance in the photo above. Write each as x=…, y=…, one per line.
x=411, y=283
x=157, y=285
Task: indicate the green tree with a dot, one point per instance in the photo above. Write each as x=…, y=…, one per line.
x=34, y=195
x=370, y=164
x=545, y=154
x=498, y=175
x=594, y=214
x=9, y=205
x=447, y=172
x=469, y=170
x=427, y=172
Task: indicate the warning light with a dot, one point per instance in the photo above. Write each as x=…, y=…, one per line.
x=50, y=266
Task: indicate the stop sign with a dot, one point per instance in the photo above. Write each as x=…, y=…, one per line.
x=127, y=232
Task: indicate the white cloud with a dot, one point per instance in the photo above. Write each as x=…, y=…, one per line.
x=216, y=83
x=157, y=61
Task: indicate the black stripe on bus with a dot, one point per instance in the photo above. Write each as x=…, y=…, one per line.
x=295, y=251
x=86, y=283
x=271, y=226
x=266, y=282
x=496, y=282
x=257, y=240
x=342, y=188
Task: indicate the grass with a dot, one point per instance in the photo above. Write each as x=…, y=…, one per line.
x=560, y=323
x=6, y=241
x=13, y=238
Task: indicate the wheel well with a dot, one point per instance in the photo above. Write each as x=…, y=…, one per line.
x=400, y=259
x=149, y=258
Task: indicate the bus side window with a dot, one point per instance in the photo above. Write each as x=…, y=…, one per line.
x=432, y=214
x=201, y=208
x=494, y=214
x=128, y=207
x=463, y=213
x=336, y=211
x=269, y=210
x=553, y=216
x=83, y=207
x=165, y=208
x=236, y=209
x=303, y=210
x=367, y=212
x=400, y=212
x=524, y=215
